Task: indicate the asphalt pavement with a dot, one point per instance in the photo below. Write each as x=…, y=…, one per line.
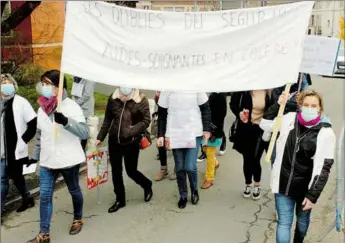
x=222, y=216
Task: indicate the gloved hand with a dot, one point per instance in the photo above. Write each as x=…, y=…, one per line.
x=30, y=162
x=60, y=118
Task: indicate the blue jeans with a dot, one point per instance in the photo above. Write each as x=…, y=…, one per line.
x=16, y=174
x=47, y=182
x=186, y=165
x=285, y=207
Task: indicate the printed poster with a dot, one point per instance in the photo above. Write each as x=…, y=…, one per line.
x=98, y=158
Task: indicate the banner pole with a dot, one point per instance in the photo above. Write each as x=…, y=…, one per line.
x=276, y=127
x=59, y=100
x=98, y=189
x=60, y=92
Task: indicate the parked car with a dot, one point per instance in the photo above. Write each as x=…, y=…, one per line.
x=340, y=64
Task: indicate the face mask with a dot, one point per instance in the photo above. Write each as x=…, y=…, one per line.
x=47, y=91
x=309, y=114
x=7, y=89
x=125, y=91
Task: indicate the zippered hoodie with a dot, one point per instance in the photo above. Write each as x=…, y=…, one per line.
x=125, y=121
x=304, y=157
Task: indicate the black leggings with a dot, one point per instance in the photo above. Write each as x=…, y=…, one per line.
x=163, y=157
x=252, y=155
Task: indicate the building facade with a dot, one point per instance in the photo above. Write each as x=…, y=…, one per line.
x=180, y=6
x=38, y=39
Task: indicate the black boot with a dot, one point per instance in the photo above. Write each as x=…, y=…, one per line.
x=148, y=193
x=182, y=203
x=195, y=198
x=27, y=203
x=117, y=205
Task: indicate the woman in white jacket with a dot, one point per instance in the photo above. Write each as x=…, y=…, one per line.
x=17, y=128
x=58, y=155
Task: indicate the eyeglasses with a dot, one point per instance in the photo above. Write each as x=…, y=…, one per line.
x=46, y=81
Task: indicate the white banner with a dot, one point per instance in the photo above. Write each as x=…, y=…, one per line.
x=233, y=50
x=320, y=55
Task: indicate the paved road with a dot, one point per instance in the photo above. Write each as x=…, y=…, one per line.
x=222, y=216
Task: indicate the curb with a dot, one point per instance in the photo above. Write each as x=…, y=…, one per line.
x=36, y=191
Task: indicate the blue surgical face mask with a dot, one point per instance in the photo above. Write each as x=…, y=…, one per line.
x=309, y=114
x=125, y=91
x=47, y=91
x=7, y=89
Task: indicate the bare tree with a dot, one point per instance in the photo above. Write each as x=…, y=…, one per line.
x=17, y=16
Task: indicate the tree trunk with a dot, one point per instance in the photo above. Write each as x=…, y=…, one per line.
x=18, y=16
x=3, y=5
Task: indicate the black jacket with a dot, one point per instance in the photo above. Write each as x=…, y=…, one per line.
x=217, y=102
x=125, y=121
x=238, y=102
x=304, y=157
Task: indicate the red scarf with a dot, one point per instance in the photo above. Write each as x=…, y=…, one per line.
x=49, y=105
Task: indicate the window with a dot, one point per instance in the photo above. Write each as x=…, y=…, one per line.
x=328, y=23
x=146, y=7
x=312, y=20
x=169, y=9
x=195, y=9
x=174, y=9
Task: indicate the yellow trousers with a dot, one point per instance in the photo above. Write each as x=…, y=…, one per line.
x=211, y=162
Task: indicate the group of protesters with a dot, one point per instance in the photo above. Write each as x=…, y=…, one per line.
x=301, y=161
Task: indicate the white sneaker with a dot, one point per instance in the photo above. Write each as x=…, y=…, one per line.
x=247, y=192
x=222, y=152
x=256, y=193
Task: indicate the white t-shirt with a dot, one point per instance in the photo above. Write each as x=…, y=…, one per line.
x=184, y=115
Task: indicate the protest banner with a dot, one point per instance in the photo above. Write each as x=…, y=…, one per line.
x=242, y=49
x=97, y=168
x=320, y=55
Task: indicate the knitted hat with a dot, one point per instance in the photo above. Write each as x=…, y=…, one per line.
x=9, y=77
x=54, y=76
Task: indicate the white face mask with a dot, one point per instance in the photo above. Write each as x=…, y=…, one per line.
x=125, y=91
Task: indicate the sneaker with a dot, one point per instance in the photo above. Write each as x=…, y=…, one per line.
x=202, y=157
x=222, y=148
x=256, y=193
x=247, y=192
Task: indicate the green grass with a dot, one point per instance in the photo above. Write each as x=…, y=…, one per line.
x=29, y=92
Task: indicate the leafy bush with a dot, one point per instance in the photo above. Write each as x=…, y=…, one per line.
x=28, y=73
